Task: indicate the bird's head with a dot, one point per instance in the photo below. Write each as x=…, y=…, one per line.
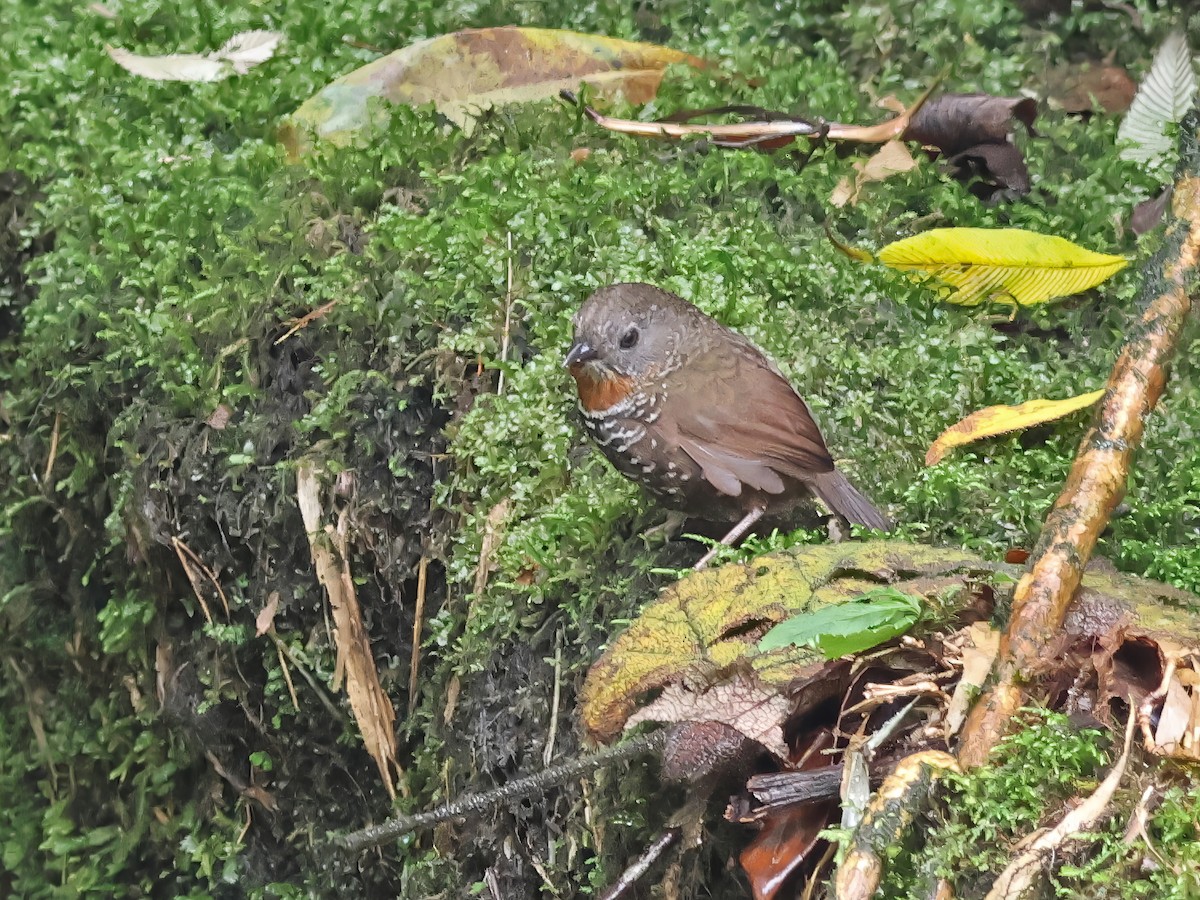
x=626, y=335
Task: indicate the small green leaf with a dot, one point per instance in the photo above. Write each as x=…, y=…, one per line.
x=849, y=627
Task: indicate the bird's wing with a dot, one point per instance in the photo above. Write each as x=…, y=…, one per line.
x=743, y=423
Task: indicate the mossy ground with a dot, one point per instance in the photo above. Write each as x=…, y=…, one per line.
x=156, y=247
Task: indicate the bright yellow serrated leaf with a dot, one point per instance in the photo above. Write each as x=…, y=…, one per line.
x=996, y=420
x=1005, y=265
x=469, y=71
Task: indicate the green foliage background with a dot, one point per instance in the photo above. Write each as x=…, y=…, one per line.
x=156, y=246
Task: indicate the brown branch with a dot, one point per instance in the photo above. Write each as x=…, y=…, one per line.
x=1097, y=480
x=375, y=835
x=629, y=878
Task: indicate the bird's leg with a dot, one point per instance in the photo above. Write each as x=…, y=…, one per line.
x=735, y=534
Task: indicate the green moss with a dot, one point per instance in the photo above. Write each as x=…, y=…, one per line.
x=160, y=249
x=1029, y=782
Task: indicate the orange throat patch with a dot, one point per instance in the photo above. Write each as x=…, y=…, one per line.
x=601, y=392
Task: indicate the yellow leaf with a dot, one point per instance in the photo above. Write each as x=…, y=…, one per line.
x=1006, y=265
x=466, y=72
x=996, y=420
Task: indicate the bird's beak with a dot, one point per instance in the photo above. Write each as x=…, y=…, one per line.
x=579, y=353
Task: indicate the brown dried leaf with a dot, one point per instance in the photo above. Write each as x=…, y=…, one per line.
x=974, y=131
x=1149, y=213
x=893, y=158
x=265, y=620
x=493, y=536
x=741, y=703
x=978, y=646
x=372, y=709
x=219, y=417
x=953, y=123
x=1001, y=164
x=1175, y=719
x=1084, y=87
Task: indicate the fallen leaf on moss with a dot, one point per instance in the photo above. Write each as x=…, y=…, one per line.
x=996, y=420
x=468, y=71
x=740, y=703
x=859, y=624
x=973, y=132
x=708, y=625
x=952, y=123
x=237, y=56
x=1005, y=265
x=1084, y=87
x=892, y=158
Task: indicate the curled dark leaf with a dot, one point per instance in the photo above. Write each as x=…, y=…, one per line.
x=1000, y=165
x=1148, y=213
x=953, y=123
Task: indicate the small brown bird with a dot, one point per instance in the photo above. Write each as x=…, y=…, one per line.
x=698, y=415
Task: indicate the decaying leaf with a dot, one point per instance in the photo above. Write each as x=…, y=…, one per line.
x=739, y=702
x=892, y=158
x=710, y=622
x=372, y=709
x=996, y=420
x=1149, y=213
x=237, y=56
x=1004, y=265
x=973, y=132
x=265, y=620
x=952, y=123
x=1084, y=87
x=975, y=647
x=1161, y=100
x=469, y=71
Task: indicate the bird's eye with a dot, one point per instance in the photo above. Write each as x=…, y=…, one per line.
x=629, y=338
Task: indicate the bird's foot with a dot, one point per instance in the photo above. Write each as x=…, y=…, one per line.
x=838, y=528
x=666, y=530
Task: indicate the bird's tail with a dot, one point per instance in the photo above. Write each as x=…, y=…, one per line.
x=844, y=499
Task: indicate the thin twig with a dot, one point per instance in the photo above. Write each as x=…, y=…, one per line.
x=548, y=753
x=642, y=864
x=188, y=558
x=287, y=674
x=329, y=705
x=307, y=319
x=506, y=334
x=414, y=664
x=53, y=454
x=518, y=789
